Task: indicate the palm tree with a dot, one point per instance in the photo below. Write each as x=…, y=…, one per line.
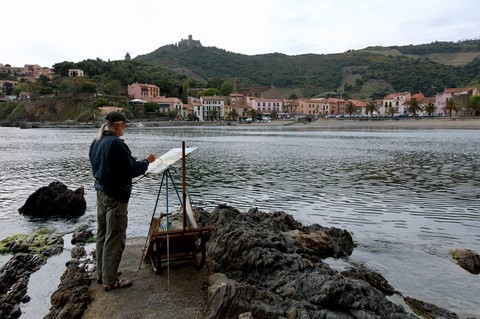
x=391, y=111
x=413, y=106
x=233, y=114
x=212, y=114
x=253, y=113
x=350, y=108
x=451, y=106
x=371, y=107
x=474, y=104
x=430, y=108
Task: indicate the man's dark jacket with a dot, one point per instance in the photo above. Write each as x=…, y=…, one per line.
x=114, y=166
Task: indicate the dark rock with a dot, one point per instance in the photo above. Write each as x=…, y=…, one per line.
x=78, y=252
x=370, y=276
x=242, y=298
x=13, y=282
x=273, y=268
x=72, y=296
x=342, y=244
x=429, y=311
x=16, y=312
x=55, y=200
x=82, y=236
x=467, y=259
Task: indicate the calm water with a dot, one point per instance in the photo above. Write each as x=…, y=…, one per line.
x=408, y=197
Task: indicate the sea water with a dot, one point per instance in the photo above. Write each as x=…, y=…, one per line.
x=407, y=196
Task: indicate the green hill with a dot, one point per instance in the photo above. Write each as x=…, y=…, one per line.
x=370, y=72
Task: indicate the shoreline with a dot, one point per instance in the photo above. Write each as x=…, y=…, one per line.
x=407, y=124
x=325, y=124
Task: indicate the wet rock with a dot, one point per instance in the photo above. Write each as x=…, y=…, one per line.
x=78, y=252
x=373, y=278
x=14, y=277
x=467, y=259
x=82, y=237
x=72, y=295
x=273, y=268
x=241, y=297
x=55, y=200
x=429, y=311
x=42, y=242
x=341, y=242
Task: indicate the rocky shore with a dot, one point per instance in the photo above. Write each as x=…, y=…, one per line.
x=259, y=265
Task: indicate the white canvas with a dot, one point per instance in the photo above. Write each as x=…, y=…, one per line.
x=168, y=159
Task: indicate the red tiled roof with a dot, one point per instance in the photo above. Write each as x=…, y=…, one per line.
x=456, y=90
x=213, y=98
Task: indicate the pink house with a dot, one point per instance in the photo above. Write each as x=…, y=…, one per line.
x=449, y=93
x=145, y=92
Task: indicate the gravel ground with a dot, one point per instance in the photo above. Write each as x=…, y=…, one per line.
x=180, y=292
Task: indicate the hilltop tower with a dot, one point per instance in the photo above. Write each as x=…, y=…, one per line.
x=236, y=85
x=128, y=57
x=190, y=42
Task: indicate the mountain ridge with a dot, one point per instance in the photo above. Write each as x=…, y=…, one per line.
x=363, y=73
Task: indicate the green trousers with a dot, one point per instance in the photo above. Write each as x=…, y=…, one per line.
x=111, y=236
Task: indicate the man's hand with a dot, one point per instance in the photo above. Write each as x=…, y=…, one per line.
x=151, y=158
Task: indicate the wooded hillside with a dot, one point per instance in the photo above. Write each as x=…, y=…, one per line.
x=371, y=72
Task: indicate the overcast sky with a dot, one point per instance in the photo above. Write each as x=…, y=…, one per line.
x=51, y=31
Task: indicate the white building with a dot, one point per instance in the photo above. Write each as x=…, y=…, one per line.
x=397, y=101
x=265, y=105
x=211, y=108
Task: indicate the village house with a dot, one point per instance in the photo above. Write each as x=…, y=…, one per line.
x=290, y=108
x=194, y=107
x=457, y=93
x=74, y=73
x=316, y=108
x=29, y=72
x=397, y=101
x=239, y=105
x=172, y=104
x=265, y=105
x=336, y=106
x=144, y=92
x=213, y=108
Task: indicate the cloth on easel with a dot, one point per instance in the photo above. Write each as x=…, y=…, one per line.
x=175, y=222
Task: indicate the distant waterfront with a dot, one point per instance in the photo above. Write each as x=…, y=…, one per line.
x=364, y=123
x=407, y=196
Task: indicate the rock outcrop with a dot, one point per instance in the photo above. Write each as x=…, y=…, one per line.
x=467, y=259
x=271, y=266
x=14, y=277
x=55, y=200
x=427, y=310
x=29, y=254
x=72, y=296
